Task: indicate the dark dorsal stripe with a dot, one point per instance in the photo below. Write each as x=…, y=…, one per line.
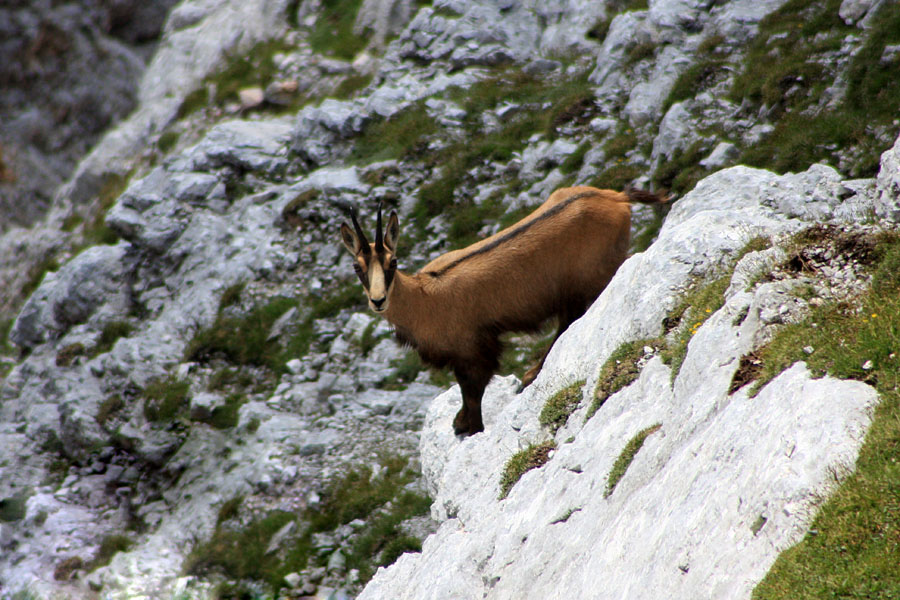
x=514, y=233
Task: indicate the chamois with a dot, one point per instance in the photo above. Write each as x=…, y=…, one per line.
x=554, y=262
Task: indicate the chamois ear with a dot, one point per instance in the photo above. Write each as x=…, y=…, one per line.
x=350, y=240
x=392, y=232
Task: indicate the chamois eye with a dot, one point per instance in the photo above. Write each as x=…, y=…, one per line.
x=357, y=268
x=393, y=263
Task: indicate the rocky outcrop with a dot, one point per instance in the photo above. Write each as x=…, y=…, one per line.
x=190, y=359
x=68, y=74
x=725, y=481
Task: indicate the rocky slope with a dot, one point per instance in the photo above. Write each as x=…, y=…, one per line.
x=196, y=403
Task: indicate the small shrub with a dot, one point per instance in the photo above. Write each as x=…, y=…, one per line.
x=67, y=354
x=399, y=136
x=624, y=460
x=165, y=399
x=536, y=455
x=563, y=403
x=108, y=408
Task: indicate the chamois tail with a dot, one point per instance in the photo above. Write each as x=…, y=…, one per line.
x=644, y=197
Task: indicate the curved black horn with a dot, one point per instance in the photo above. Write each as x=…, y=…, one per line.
x=379, y=236
x=359, y=233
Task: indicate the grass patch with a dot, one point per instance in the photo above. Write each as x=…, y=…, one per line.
x=546, y=106
x=111, y=333
x=333, y=32
x=66, y=355
x=618, y=372
x=244, y=339
x=402, y=135
x=532, y=457
x=165, y=399
x=626, y=457
x=786, y=69
x=560, y=406
x=381, y=500
x=226, y=416
x=853, y=552
x=108, y=408
x=681, y=173
x=109, y=547
x=701, y=301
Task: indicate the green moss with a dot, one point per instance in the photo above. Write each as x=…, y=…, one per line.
x=626, y=457
x=560, y=406
x=36, y=275
x=532, y=457
x=851, y=548
x=165, y=399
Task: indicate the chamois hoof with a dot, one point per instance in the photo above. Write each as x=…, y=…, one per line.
x=462, y=426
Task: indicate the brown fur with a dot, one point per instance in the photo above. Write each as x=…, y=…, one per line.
x=554, y=262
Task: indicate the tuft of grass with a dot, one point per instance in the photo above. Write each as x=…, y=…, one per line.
x=165, y=399
x=243, y=340
x=226, y=417
x=403, y=135
x=560, y=406
x=681, y=173
x=108, y=408
x=111, y=333
x=109, y=547
x=619, y=371
x=626, y=457
x=701, y=301
x=12, y=508
x=333, y=32
x=67, y=354
x=532, y=457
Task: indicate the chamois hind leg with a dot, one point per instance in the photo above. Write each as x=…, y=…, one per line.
x=567, y=316
x=472, y=381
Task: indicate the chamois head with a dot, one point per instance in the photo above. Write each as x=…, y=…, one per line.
x=375, y=264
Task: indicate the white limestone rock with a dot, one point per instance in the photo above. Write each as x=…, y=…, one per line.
x=712, y=497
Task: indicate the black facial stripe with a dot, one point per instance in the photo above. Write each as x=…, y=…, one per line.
x=515, y=232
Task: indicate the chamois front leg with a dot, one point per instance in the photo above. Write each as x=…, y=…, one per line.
x=472, y=381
